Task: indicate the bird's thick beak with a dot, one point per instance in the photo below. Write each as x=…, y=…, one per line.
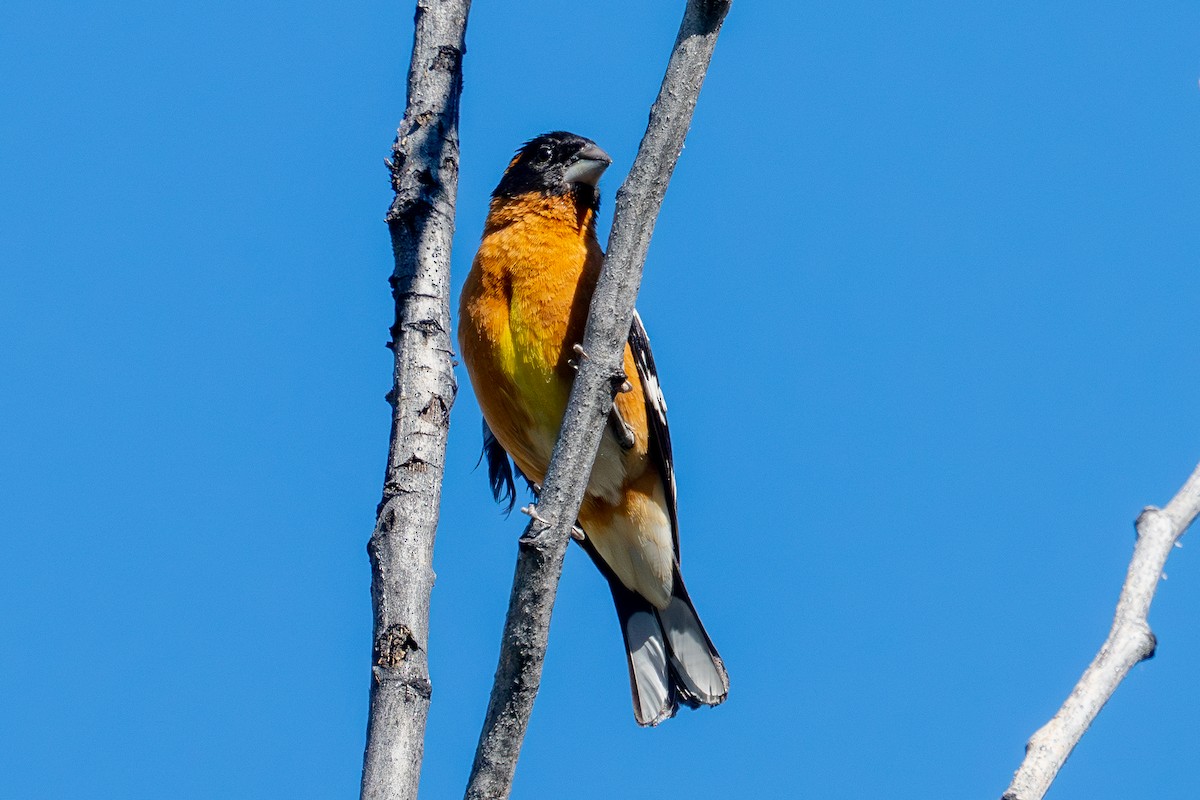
x=588, y=165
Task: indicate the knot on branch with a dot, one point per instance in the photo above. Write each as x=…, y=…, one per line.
x=537, y=541
x=408, y=212
x=436, y=412
x=385, y=516
x=1160, y=523
x=414, y=463
x=1149, y=515
x=395, y=164
x=393, y=645
x=410, y=681
x=1147, y=641
x=391, y=490
x=395, y=485
x=538, y=536
x=447, y=59
x=427, y=327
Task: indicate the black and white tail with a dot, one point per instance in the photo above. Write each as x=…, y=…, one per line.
x=671, y=659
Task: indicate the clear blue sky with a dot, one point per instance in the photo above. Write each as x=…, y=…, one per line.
x=924, y=296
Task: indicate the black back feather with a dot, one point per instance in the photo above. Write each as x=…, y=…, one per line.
x=656, y=417
x=500, y=470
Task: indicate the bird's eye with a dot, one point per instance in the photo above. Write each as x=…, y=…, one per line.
x=542, y=154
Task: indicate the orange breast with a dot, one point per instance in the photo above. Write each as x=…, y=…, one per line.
x=523, y=308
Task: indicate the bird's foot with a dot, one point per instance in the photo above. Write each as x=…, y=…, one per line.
x=532, y=511
x=621, y=431
x=579, y=351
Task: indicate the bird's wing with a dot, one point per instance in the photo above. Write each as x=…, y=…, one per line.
x=656, y=417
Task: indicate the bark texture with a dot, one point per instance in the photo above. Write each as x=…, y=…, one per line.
x=1129, y=641
x=424, y=167
x=544, y=543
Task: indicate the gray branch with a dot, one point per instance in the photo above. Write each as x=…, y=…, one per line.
x=1129, y=641
x=424, y=170
x=544, y=543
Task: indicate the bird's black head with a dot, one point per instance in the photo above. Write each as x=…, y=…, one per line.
x=556, y=163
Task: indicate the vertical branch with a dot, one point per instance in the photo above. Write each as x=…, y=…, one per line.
x=1129, y=641
x=424, y=167
x=544, y=543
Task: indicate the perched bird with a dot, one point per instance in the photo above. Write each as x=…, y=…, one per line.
x=523, y=311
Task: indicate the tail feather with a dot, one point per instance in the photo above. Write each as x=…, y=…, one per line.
x=697, y=668
x=671, y=659
x=655, y=697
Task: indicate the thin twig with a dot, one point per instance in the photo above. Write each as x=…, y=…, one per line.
x=544, y=543
x=424, y=168
x=1129, y=641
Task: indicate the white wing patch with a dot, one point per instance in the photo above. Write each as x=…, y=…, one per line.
x=656, y=413
x=649, y=376
x=655, y=397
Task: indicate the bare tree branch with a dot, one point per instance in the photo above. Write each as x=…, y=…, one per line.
x=1129, y=641
x=543, y=545
x=424, y=167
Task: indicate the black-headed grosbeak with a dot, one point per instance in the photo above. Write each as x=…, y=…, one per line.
x=523, y=310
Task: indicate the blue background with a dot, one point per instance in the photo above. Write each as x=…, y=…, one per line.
x=923, y=293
